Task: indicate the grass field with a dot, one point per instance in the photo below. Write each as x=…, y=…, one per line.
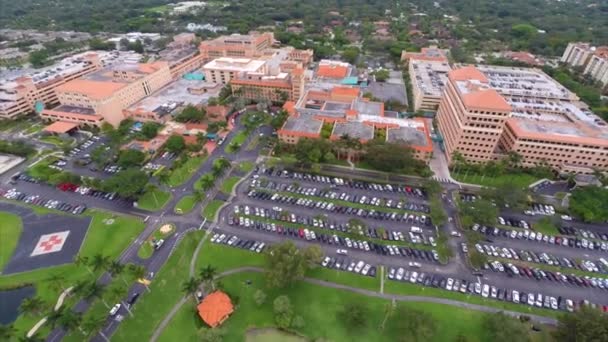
x=57, y=141
x=246, y=166
x=181, y=174
x=153, y=200
x=42, y=170
x=518, y=179
x=166, y=290
x=320, y=308
x=10, y=230
x=147, y=248
x=211, y=208
x=108, y=234
x=185, y=205
x=229, y=184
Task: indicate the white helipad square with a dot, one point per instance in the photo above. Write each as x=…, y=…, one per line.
x=50, y=243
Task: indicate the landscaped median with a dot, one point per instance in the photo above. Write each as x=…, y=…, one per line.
x=181, y=174
x=211, y=209
x=185, y=204
x=153, y=199
x=162, y=233
x=10, y=230
x=229, y=184
x=236, y=142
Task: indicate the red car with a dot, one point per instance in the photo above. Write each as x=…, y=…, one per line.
x=301, y=232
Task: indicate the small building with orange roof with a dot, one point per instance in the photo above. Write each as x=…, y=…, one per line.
x=333, y=69
x=215, y=308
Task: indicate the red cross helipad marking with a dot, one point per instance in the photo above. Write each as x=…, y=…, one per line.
x=51, y=242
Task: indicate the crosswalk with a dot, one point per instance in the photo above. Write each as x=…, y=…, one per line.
x=442, y=179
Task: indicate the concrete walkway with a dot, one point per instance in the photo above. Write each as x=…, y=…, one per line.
x=392, y=297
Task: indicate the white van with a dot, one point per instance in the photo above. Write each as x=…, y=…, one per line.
x=416, y=229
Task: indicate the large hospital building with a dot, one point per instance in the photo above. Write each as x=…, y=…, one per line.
x=488, y=111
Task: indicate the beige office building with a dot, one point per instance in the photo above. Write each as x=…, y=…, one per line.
x=428, y=75
x=488, y=111
x=102, y=96
x=222, y=70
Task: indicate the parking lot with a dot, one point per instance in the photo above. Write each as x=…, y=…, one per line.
x=362, y=226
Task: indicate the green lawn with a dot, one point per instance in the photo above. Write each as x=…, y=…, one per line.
x=153, y=200
x=246, y=166
x=237, y=140
x=185, y=204
x=320, y=308
x=109, y=234
x=55, y=140
x=545, y=226
x=229, y=184
x=518, y=179
x=147, y=247
x=181, y=174
x=166, y=290
x=211, y=208
x=253, y=143
x=34, y=129
x=42, y=170
x=10, y=230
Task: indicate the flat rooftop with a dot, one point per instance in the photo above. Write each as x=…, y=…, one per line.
x=174, y=94
x=74, y=109
x=430, y=77
x=235, y=64
x=353, y=129
x=303, y=123
x=369, y=107
x=409, y=135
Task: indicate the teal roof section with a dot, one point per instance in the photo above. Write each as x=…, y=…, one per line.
x=351, y=80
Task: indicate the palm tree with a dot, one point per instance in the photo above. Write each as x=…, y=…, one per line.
x=54, y=316
x=57, y=281
x=7, y=332
x=514, y=158
x=208, y=274
x=93, y=324
x=70, y=320
x=31, y=305
x=82, y=261
x=163, y=177
x=115, y=268
x=190, y=286
x=95, y=290
x=139, y=272
x=99, y=262
x=118, y=292
x=198, y=195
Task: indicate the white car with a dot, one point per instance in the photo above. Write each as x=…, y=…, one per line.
x=414, y=264
x=414, y=277
x=449, y=284
x=342, y=251
x=325, y=261
x=515, y=297
x=115, y=309
x=485, y=292
x=566, y=218
x=400, y=273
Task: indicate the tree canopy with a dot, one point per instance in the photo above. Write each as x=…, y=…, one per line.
x=590, y=204
x=175, y=144
x=126, y=183
x=585, y=325
x=287, y=263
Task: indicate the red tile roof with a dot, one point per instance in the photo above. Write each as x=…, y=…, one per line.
x=332, y=71
x=60, y=127
x=93, y=89
x=215, y=308
x=486, y=99
x=467, y=73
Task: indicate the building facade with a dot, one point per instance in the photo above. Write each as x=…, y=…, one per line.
x=237, y=46
x=223, y=70
x=428, y=74
x=593, y=60
x=488, y=111
x=103, y=96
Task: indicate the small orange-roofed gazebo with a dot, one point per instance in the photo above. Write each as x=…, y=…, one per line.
x=215, y=308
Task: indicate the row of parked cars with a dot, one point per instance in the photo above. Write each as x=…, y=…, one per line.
x=14, y=194
x=574, y=242
x=83, y=146
x=415, y=236
x=339, y=209
x=346, y=264
x=399, y=188
x=483, y=290
x=87, y=191
x=541, y=258
x=532, y=272
x=381, y=202
x=587, y=234
x=332, y=239
x=235, y=241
